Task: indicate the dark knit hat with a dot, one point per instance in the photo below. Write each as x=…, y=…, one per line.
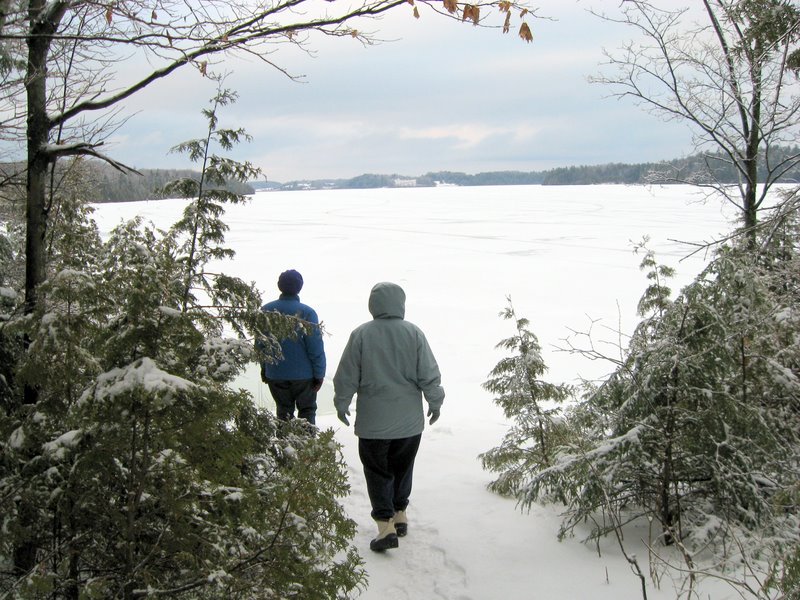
x=290, y=282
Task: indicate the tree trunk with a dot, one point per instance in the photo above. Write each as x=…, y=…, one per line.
x=666, y=482
x=753, y=145
x=751, y=177
x=750, y=211
x=39, y=40
x=38, y=160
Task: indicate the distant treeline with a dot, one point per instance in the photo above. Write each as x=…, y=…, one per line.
x=106, y=184
x=100, y=182
x=110, y=185
x=371, y=181
x=696, y=169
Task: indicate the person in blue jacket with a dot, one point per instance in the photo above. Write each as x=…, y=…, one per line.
x=296, y=377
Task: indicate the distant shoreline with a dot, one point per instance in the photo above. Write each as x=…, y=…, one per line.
x=113, y=186
x=696, y=169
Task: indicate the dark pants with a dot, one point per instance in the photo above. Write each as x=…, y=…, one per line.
x=289, y=395
x=388, y=468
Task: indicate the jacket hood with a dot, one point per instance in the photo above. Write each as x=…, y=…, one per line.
x=387, y=300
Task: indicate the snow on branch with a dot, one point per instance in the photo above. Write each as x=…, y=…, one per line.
x=142, y=374
x=64, y=442
x=567, y=461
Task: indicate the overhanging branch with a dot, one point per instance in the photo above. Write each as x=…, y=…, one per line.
x=55, y=151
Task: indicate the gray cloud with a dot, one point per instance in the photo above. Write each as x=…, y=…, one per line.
x=445, y=96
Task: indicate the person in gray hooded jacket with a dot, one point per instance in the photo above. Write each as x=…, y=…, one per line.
x=388, y=364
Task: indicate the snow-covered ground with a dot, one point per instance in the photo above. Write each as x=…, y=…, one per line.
x=564, y=255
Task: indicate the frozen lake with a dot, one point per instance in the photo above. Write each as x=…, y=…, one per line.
x=565, y=256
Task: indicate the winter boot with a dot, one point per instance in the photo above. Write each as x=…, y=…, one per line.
x=400, y=523
x=387, y=536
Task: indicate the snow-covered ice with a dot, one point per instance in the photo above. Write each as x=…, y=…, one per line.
x=564, y=255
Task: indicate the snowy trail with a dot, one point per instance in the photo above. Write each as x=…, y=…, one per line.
x=466, y=543
x=421, y=567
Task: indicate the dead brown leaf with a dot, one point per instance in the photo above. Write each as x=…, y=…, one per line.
x=472, y=13
x=525, y=32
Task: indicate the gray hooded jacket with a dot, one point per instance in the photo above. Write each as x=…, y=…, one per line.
x=389, y=365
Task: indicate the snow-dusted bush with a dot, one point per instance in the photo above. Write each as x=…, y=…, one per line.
x=139, y=471
x=698, y=429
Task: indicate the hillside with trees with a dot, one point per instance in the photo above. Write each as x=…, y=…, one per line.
x=115, y=186
x=103, y=183
x=696, y=169
x=107, y=184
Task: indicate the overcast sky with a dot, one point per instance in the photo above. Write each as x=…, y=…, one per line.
x=441, y=96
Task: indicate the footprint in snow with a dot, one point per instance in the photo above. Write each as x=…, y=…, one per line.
x=419, y=568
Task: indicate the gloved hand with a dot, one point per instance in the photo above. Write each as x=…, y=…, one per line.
x=342, y=414
x=317, y=384
x=433, y=413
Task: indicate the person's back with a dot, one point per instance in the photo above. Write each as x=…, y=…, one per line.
x=303, y=356
x=395, y=364
x=295, y=378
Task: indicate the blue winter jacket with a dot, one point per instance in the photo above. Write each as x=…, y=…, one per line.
x=304, y=355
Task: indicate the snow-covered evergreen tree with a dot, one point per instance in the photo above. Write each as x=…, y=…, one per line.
x=530, y=402
x=140, y=471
